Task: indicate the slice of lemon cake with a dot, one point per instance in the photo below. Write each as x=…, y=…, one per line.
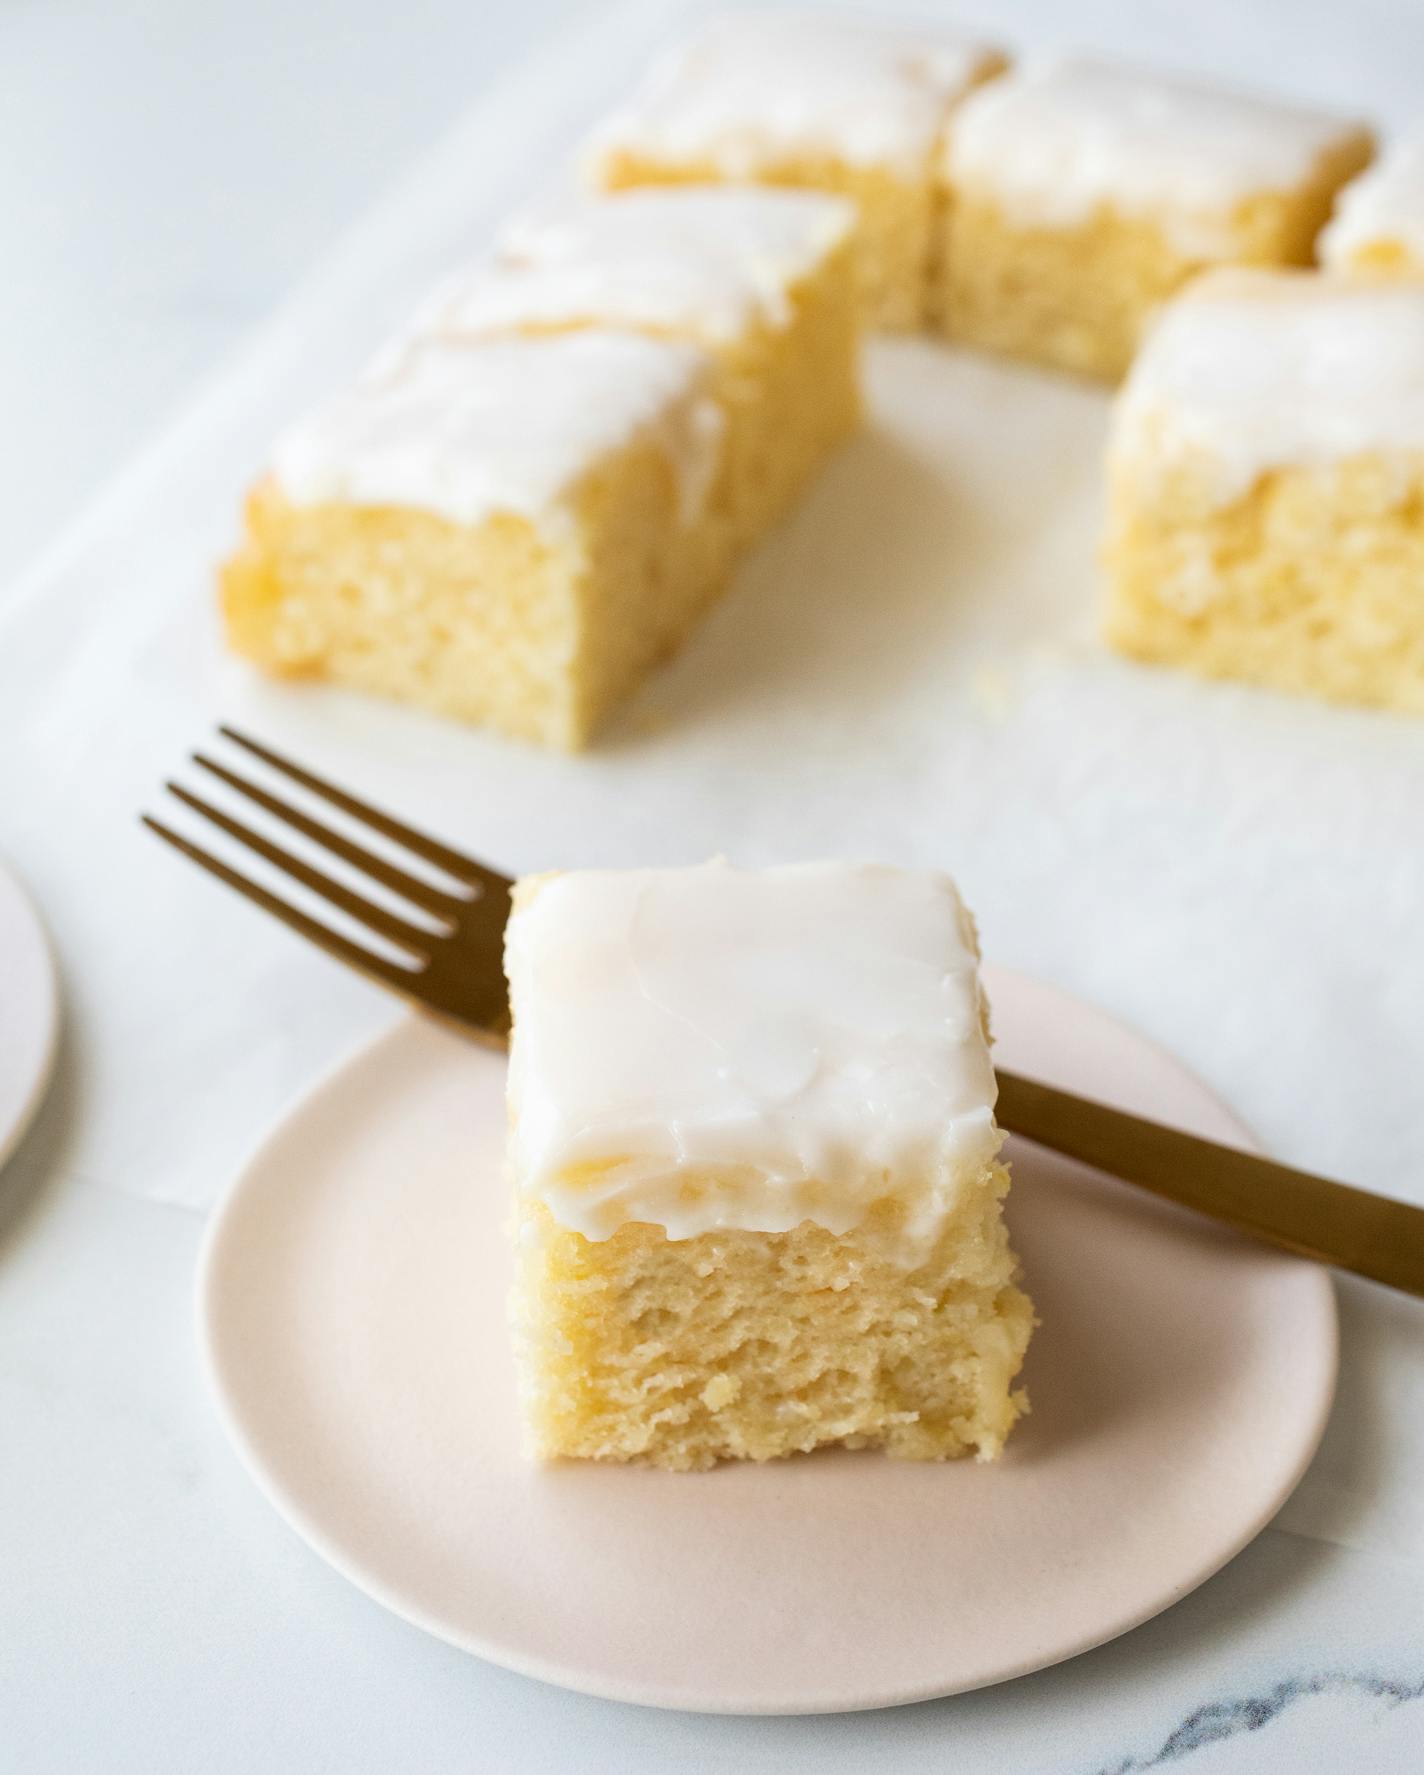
x=509, y=532
x=1081, y=195
x=764, y=280
x=834, y=102
x=1379, y=221
x=1266, y=476
x=757, y=1185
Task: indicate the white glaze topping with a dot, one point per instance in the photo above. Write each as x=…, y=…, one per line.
x=1383, y=207
x=1052, y=143
x=704, y=260
x=746, y=1048
x=751, y=88
x=1250, y=371
x=507, y=425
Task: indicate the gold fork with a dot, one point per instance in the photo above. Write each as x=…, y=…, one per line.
x=455, y=970
x=456, y=967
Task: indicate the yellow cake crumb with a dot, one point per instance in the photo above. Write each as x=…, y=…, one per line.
x=721, y=1390
x=810, y=1339
x=1309, y=582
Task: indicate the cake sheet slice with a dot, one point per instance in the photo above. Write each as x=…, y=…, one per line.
x=756, y=1172
x=509, y=532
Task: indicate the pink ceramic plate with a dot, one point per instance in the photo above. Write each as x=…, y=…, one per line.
x=353, y=1314
x=29, y=1013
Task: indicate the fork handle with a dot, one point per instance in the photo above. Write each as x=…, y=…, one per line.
x=1334, y=1223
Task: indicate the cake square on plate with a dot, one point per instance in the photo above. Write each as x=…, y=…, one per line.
x=509, y=532
x=834, y=102
x=763, y=280
x=756, y=1174
x=1378, y=227
x=1266, y=487
x=1081, y=195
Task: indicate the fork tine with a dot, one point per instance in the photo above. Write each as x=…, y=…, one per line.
x=410, y=887
x=376, y=967
x=375, y=918
x=453, y=862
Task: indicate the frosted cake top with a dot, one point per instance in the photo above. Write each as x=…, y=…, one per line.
x=1250, y=371
x=1052, y=143
x=508, y=425
x=751, y=88
x=714, y=1047
x=707, y=259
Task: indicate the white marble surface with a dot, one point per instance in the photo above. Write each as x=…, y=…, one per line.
x=176, y=167
x=167, y=171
